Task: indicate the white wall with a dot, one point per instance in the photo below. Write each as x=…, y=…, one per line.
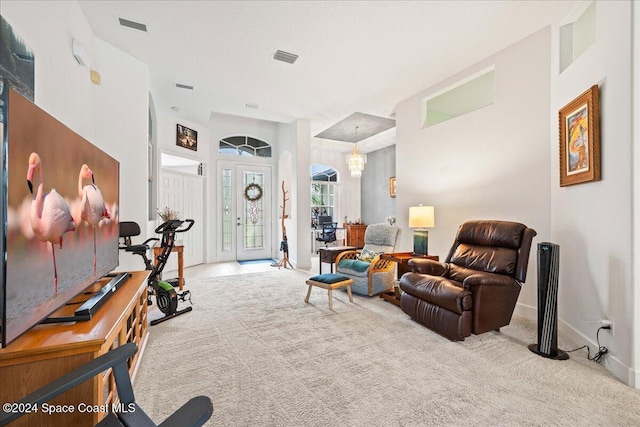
x=492, y=163
x=635, y=123
x=63, y=87
x=112, y=115
x=592, y=222
x=294, y=138
x=123, y=132
x=376, y=202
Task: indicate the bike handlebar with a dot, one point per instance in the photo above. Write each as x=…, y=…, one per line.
x=174, y=225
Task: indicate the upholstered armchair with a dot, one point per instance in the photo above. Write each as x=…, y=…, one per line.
x=475, y=290
x=371, y=275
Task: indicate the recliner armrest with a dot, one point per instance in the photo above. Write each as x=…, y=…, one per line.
x=347, y=255
x=379, y=265
x=488, y=279
x=428, y=266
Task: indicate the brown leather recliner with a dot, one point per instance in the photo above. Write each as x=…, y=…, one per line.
x=476, y=288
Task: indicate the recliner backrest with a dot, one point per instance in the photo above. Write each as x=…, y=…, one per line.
x=381, y=237
x=500, y=247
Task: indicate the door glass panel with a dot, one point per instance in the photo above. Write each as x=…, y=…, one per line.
x=227, y=219
x=253, y=211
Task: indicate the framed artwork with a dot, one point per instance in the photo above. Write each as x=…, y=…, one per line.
x=580, y=139
x=17, y=65
x=392, y=186
x=187, y=138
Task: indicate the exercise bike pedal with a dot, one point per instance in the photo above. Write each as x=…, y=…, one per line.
x=184, y=295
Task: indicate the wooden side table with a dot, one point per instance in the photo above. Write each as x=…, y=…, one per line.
x=329, y=254
x=157, y=250
x=402, y=259
x=47, y=352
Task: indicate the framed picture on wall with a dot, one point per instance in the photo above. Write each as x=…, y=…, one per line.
x=580, y=139
x=187, y=138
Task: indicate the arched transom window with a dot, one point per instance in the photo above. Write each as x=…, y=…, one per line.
x=244, y=146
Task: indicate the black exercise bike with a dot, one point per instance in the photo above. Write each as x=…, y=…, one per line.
x=166, y=296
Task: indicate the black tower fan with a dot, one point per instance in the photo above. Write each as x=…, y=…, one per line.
x=548, y=268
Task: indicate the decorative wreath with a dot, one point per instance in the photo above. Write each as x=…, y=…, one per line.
x=253, y=192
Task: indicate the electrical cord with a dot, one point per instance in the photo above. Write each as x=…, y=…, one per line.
x=602, y=350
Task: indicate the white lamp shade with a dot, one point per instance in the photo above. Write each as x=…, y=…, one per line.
x=421, y=217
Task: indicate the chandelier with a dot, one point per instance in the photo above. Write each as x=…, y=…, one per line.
x=356, y=160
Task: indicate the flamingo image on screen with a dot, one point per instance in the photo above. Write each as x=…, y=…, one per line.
x=91, y=204
x=37, y=215
x=50, y=214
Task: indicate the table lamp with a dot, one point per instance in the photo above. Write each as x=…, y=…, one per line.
x=421, y=217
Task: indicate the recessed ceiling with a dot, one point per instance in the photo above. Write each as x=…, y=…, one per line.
x=353, y=55
x=357, y=127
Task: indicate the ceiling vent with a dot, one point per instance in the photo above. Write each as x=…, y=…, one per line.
x=132, y=24
x=283, y=56
x=181, y=86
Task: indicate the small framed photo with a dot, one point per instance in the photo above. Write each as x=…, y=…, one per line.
x=187, y=138
x=392, y=186
x=580, y=139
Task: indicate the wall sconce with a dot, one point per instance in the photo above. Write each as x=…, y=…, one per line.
x=421, y=217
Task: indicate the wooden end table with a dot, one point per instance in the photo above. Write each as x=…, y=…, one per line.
x=402, y=259
x=329, y=254
x=157, y=250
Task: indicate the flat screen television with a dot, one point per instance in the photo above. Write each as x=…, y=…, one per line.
x=59, y=217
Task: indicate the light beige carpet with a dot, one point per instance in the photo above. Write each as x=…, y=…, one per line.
x=265, y=358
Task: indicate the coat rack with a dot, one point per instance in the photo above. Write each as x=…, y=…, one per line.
x=284, y=245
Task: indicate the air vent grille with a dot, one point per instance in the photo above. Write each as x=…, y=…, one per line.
x=181, y=86
x=132, y=24
x=283, y=56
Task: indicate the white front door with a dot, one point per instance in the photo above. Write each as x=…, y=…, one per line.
x=245, y=204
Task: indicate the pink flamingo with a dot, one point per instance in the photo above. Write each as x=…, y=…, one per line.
x=50, y=215
x=92, y=208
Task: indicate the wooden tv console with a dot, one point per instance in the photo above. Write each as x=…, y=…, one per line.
x=46, y=352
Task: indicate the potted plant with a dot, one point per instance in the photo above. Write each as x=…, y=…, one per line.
x=168, y=213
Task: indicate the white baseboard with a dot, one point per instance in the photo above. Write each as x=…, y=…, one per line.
x=634, y=378
x=624, y=373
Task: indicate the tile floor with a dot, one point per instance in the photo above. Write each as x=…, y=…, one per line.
x=231, y=268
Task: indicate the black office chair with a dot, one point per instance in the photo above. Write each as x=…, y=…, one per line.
x=192, y=414
x=328, y=234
